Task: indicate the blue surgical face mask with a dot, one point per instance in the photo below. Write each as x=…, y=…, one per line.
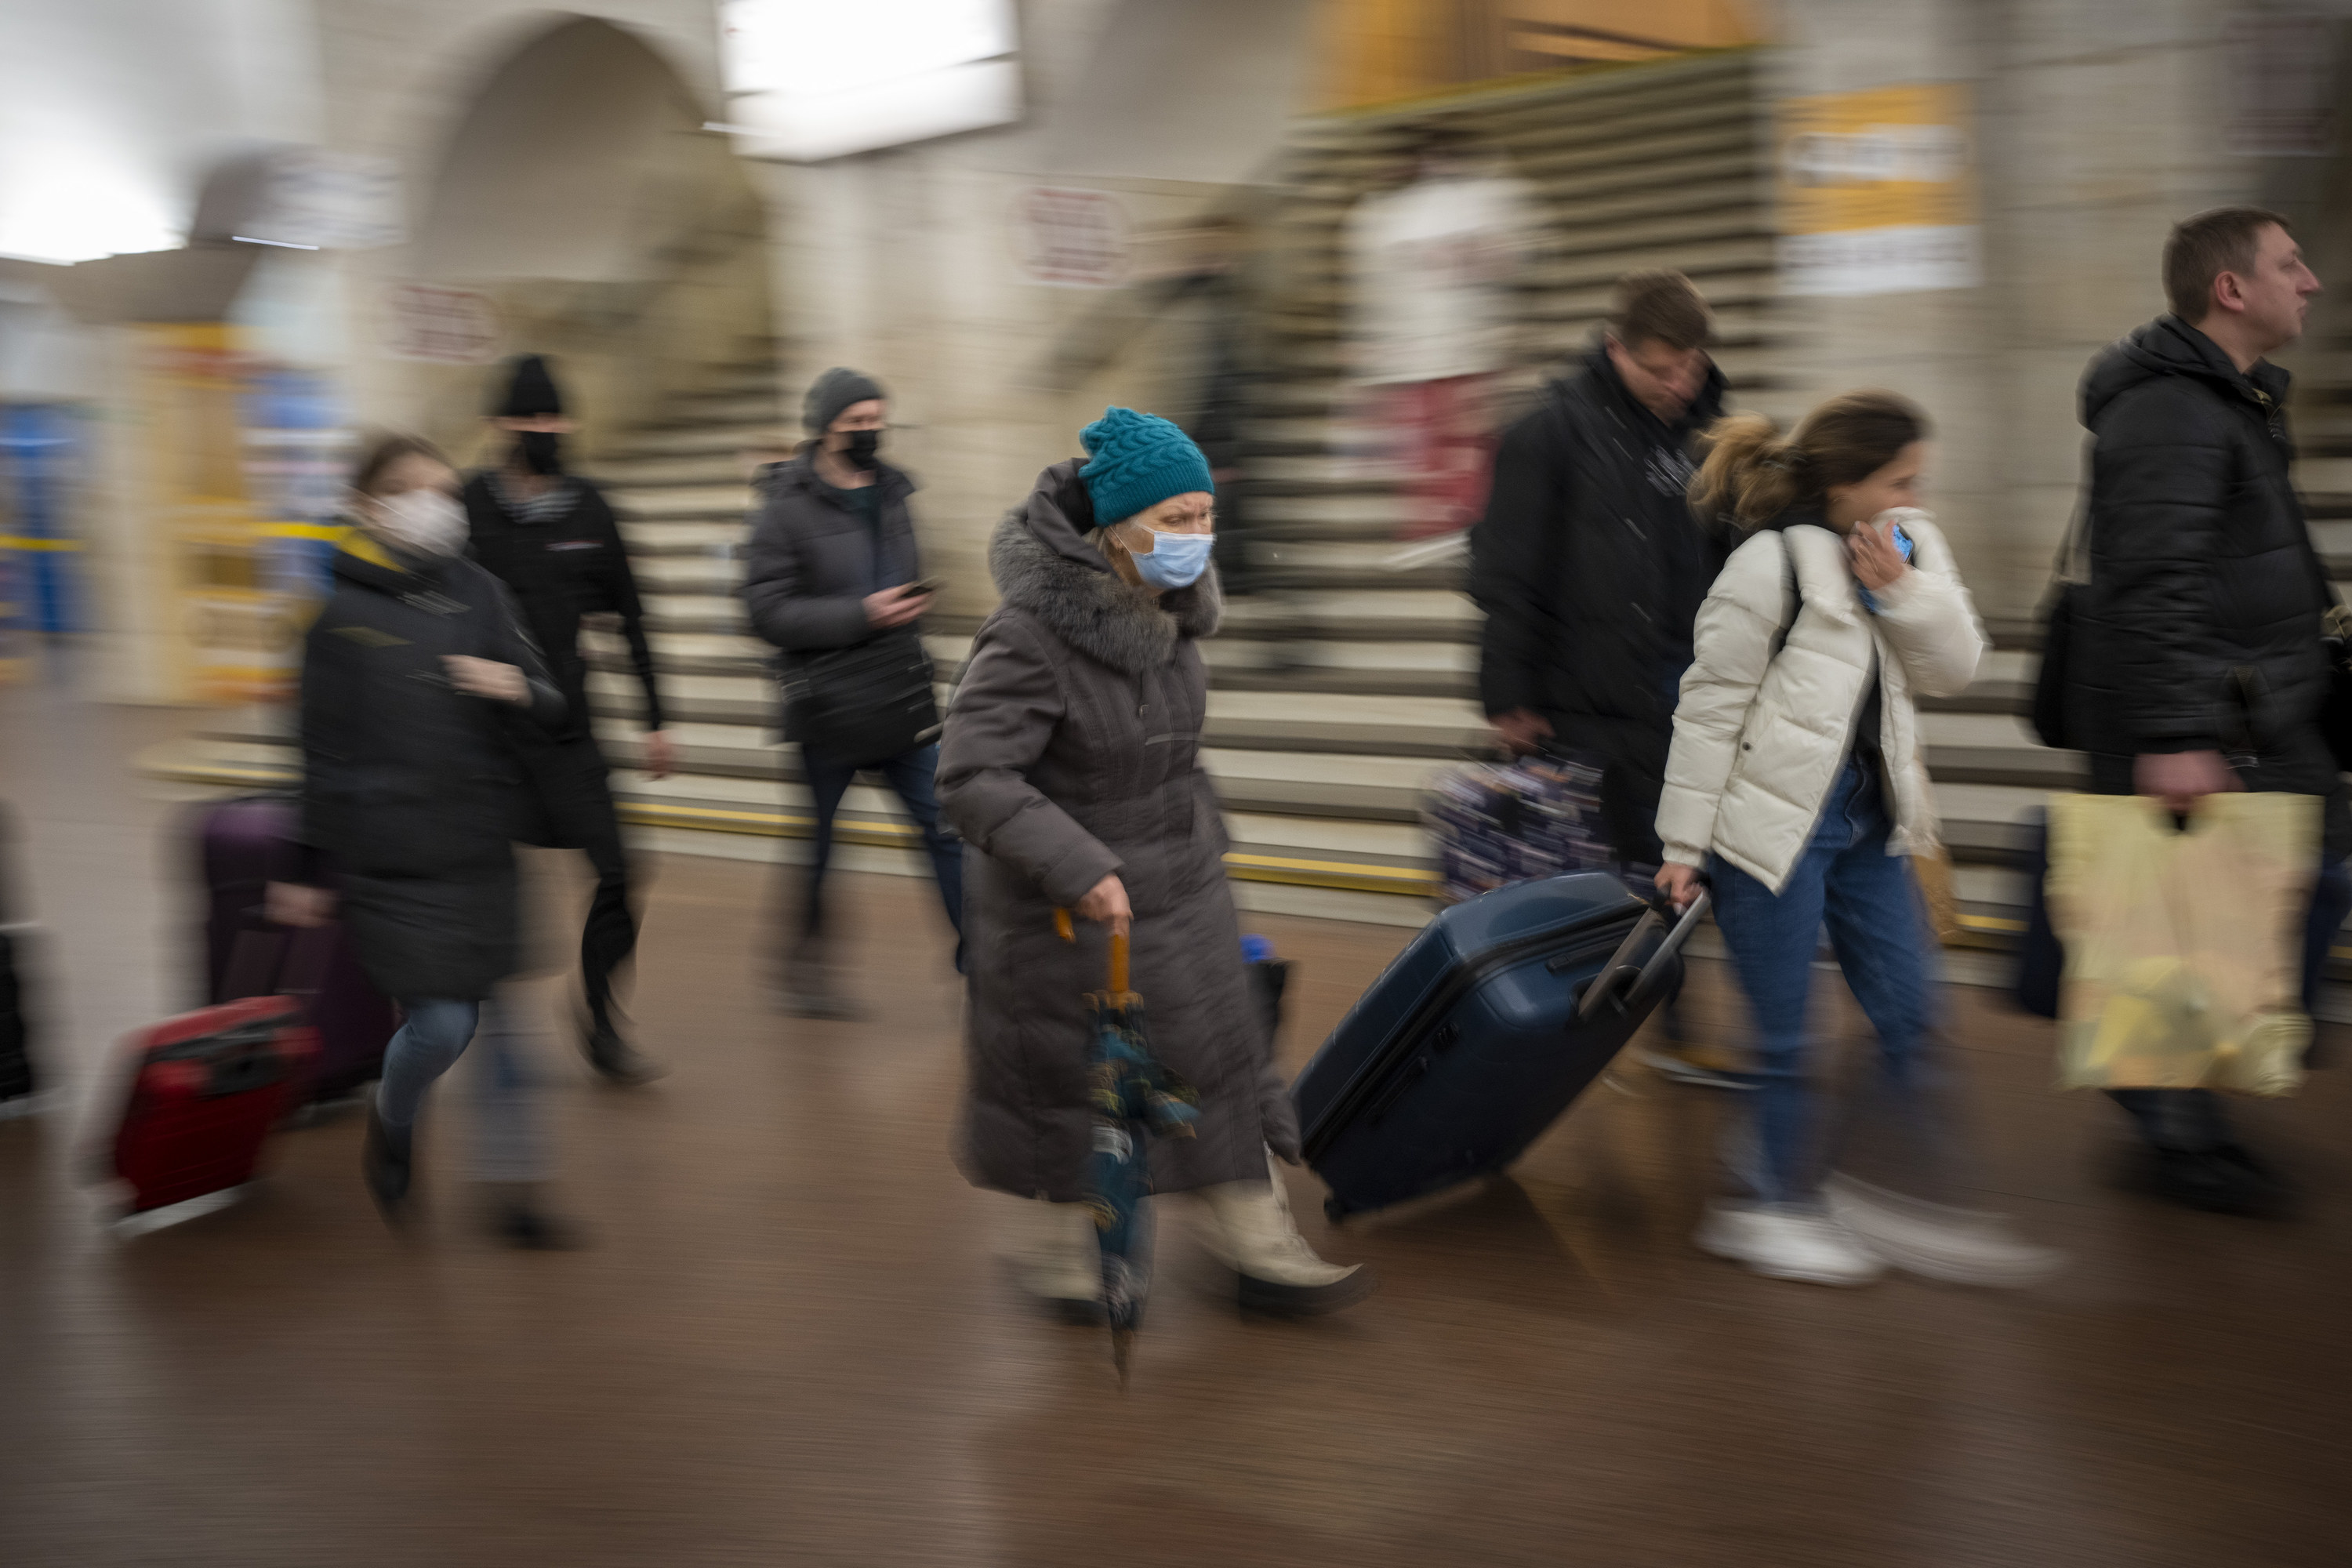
x=1177, y=559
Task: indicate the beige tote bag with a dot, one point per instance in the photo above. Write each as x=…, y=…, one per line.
x=2184, y=948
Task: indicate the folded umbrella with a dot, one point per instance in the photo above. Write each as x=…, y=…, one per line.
x=1134, y=1099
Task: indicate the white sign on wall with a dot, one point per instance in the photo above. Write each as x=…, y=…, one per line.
x=329, y=201
x=1072, y=238
x=1877, y=191
x=440, y=326
x=809, y=79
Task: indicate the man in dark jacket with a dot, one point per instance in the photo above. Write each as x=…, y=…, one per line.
x=2196, y=665
x=832, y=566
x=1590, y=566
x=551, y=538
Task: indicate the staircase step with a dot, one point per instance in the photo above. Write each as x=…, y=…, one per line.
x=730, y=410
x=699, y=614
x=1411, y=615
x=683, y=503
x=1577, y=186
x=1382, y=724
x=718, y=538
x=704, y=438
x=697, y=468
x=712, y=572
x=1735, y=222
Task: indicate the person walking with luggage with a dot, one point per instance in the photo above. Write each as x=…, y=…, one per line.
x=1794, y=786
x=832, y=567
x=416, y=676
x=2195, y=663
x=1590, y=566
x=1071, y=767
x=550, y=537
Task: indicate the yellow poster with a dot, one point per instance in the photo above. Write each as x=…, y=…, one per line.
x=235, y=633
x=1877, y=191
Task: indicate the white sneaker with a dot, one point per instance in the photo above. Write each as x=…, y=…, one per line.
x=1955, y=1246
x=1785, y=1241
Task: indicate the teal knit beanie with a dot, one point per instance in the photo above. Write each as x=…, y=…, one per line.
x=1139, y=462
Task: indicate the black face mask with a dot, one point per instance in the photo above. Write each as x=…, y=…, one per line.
x=865, y=449
x=542, y=450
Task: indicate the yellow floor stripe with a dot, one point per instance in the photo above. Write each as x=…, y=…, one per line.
x=883, y=833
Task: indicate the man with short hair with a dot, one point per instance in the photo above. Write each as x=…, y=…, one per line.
x=832, y=565
x=2196, y=665
x=1590, y=565
x=551, y=537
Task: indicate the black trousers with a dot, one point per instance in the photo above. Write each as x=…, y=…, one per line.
x=576, y=811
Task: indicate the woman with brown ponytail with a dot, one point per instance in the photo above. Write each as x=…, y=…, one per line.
x=1795, y=788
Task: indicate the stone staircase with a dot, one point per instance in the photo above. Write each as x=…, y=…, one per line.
x=1339, y=688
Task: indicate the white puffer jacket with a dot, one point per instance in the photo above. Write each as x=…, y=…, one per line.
x=1760, y=737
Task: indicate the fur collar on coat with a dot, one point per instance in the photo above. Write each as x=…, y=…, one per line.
x=1044, y=567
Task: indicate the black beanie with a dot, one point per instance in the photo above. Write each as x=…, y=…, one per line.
x=834, y=391
x=531, y=391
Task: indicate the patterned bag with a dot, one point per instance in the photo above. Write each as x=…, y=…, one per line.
x=1498, y=822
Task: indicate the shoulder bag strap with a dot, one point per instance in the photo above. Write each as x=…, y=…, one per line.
x=1796, y=595
x=2073, y=564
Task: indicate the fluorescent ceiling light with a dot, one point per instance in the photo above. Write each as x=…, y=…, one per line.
x=820, y=79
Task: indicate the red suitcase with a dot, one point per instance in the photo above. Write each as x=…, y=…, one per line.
x=207, y=1086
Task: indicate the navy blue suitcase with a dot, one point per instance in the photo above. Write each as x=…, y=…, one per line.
x=1480, y=1032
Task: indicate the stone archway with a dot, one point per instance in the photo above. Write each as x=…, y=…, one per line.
x=579, y=191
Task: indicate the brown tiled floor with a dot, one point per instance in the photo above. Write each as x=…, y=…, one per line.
x=790, y=1343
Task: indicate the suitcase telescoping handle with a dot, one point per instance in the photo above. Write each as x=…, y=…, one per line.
x=272, y=959
x=1118, y=944
x=1621, y=979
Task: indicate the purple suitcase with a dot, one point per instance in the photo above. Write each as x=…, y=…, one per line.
x=240, y=838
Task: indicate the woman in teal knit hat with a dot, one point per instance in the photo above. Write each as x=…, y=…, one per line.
x=1071, y=766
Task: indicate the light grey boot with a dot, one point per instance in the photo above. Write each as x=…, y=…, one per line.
x=1252, y=1233
x=1052, y=1249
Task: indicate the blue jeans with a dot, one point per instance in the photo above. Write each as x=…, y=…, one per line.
x=909, y=776
x=508, y=1144
x=1871, y=904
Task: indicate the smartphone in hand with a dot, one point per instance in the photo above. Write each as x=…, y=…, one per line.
x=922, y=585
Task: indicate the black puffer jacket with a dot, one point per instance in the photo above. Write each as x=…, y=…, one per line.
x=2201, y=625
x=1590, y=569
x=414, y=790
x=811, y=562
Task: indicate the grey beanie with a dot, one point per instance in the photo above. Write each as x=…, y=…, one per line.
x=834, y=391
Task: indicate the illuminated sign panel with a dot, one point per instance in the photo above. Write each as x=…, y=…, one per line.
x=809, y=79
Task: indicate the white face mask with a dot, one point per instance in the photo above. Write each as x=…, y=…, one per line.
x=429, y=522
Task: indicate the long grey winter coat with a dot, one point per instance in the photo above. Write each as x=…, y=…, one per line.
x=1072, y=752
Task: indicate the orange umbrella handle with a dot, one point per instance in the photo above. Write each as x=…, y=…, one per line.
x=1068, y=932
